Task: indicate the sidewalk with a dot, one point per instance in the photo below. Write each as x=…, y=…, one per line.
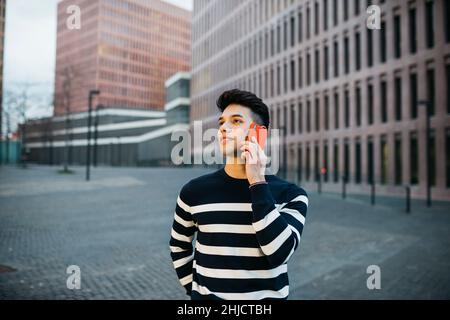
x=116, y=229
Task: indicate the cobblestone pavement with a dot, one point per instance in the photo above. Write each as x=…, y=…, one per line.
x=116, y=229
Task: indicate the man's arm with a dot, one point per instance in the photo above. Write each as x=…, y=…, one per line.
x=183, y=229
x=278, y=230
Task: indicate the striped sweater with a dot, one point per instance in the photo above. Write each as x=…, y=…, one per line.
x=243, y=237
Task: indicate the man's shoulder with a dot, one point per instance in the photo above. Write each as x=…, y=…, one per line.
x=286, y=188
x=198, y=183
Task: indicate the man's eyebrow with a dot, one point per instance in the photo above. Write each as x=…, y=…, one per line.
x=234, y=115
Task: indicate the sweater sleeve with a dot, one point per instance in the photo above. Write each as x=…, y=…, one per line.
x=278, y=228
x=183, y=230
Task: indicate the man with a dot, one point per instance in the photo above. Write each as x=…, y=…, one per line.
x=247, y=224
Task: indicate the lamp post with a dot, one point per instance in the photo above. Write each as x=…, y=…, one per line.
x=428, y=107
x=92, y=93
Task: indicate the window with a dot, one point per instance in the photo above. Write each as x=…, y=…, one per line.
x=292, y=31
x=308, y=22
x=412, y=31
x=358, y=106
x=414, y=159
x=356, y=7
x=357, y=50
x=317, y=66
x=336, y=58
x=383, y=53
x=398, y=98
x=370, y=103
x=431, y=90
x=447, y=73
x=300, y=72
x=292, y=69
x=397, y=37
x=336, y=161
x=413, y=94
x=347, y=108
x=292, y=119
x=335, y=12
x=300, y=27
x=285, y=76
x=316, y=18
x=317, y=114
x=327, y=111
x=346, y=56
x=384, y=159
x=308, y=115
x=316, y=162
x=429, y=21
x=369, y=47
x=336, y=110
x=345, y=9
x=398, y=159
x=308, y=69
x=300, y=117
x=358, y=162
x=432, y=166
x=370, y=162
x=325, y=62
x=325, y=15
x=383, y=101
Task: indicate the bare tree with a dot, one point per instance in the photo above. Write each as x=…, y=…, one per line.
x=70, y=78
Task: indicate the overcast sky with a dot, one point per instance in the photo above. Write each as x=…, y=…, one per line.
x=30, y=42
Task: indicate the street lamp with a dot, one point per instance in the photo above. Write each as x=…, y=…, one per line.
x=428, y=107
x=92, y=93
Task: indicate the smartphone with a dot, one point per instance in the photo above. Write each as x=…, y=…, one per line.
x=258, y=131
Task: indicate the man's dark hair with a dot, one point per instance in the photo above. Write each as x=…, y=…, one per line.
x=244, y=98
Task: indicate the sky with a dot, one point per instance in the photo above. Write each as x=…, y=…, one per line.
x=30, y=44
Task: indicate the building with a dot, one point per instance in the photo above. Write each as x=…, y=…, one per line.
x=2, y=42
x=124, y=48
x=119, y=137
x=346, y=95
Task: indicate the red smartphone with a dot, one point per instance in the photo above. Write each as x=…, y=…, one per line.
x=258, y=131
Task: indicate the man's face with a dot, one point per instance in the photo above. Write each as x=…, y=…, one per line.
x=233, y=129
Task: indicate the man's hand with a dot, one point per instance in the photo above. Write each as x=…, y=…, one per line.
x=255, y=161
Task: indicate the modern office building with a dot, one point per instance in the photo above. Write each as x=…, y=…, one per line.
x=125, y=48
x=119, y=137
x=2, y=42
x=346, y=96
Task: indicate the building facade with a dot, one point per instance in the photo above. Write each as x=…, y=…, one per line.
x=346, y=96
x=2, y=42
x=124, y=48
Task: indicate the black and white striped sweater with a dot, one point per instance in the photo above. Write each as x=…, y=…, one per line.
x=244, y=237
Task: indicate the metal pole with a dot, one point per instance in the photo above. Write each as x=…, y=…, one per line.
x=96, y=134
x=88, y=146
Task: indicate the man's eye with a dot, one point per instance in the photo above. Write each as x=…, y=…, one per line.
x=237, y=121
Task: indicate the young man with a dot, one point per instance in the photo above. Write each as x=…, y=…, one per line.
x=247, y=224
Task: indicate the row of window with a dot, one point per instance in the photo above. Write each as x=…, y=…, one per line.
x=301, y=113
x=313, y=160
x=269, y=42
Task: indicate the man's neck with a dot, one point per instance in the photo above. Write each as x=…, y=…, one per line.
x=235, y=170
